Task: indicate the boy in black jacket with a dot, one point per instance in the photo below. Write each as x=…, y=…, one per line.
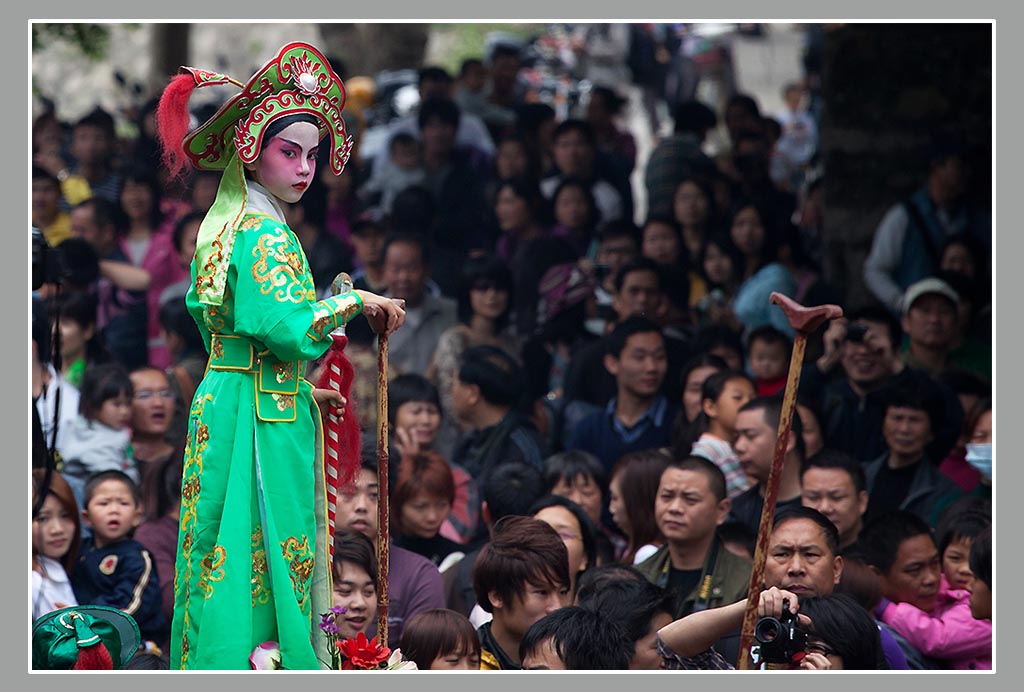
x=114, y=570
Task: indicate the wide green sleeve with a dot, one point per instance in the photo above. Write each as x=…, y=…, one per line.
x=274, y=295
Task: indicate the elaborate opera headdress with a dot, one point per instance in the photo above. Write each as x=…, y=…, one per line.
x=298, y=80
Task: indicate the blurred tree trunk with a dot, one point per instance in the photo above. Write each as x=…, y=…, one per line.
x=170, y=51
x=365, y=49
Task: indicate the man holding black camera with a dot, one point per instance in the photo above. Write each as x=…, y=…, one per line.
x=866, y=346
x=802, y=562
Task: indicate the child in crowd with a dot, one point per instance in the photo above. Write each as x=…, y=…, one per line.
x=402, y=168
x=100, y=438
x=947, y=631
x=441, y=639
x=981, y=581
x=56, y=537
x=115, y=570
x=768, y=356
x=722, y=396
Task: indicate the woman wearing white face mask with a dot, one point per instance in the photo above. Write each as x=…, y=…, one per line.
x=969, y=463
x=979, y=445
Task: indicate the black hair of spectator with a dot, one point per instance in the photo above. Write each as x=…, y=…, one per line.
x=497, y=374
x=592, y=582
x=408, y=387
x=528, y=190
x=772, y=411
x=633, y=603
x=830, y=458
x=962, y=519
x=637, y=264
x=713, y=336
x=402, y=139
x=414, y=210
x=744, y=101
x=183, y=223
x=106, y=213
x=408, y=238
x=504, y=50
x=572, y=464
x=575, y=125
x=433, y=73
x=618, y=228
x=634, y=324
x=794, y=512
x=530, y=116
x=175, y=319
x=739, y=533
x=42, y=331
x=583, y=639
x=354, y=547
x=769, y=335
x=587, y=528
x=675, y=285
x=40, y=173
x=144, y=174
x=879, y=315
x=716, y=479
x=487, y=271
x=109, y=475
x=613, y=102
x=160, y=489
x=881, y=538
x=510, y=489
x=702, y=359
x=848, y=628
x=438, y=109
x=917, y=395
x=693, y=117
x=522, y=551
x=81, y=262
x=980, y=559
x=468, y=64
x=98, y=118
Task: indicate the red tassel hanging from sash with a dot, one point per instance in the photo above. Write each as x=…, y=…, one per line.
x=341, y=435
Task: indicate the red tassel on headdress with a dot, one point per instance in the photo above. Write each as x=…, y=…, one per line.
x=172, y=119
x=95, y=657
x=341, y=436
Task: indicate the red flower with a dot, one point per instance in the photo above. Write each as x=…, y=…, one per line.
x=361, y=654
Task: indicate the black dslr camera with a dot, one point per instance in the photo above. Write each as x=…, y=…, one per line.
x=780, y=638
x=48, y=263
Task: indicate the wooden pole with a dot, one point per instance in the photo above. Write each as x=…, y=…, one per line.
x=804, y=321
x=382, y=497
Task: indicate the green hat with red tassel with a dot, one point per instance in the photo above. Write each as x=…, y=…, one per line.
x=86, y=637
x=298, y=80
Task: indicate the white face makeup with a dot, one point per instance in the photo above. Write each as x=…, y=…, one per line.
x=287, y=164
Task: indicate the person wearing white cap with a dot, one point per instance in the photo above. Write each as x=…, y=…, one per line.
x=930, y=322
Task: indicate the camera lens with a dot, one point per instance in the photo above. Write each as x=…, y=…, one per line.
x=767, y=630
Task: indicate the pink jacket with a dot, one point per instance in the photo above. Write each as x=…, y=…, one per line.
x=949, y=633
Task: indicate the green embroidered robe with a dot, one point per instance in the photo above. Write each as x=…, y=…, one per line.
x=252, y=562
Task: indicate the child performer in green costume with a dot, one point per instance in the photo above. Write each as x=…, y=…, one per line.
x=252, y=563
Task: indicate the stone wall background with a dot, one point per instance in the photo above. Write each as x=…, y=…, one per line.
x=887, y=89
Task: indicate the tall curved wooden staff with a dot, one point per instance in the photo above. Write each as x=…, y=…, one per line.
x=382, y=481
x=804, y=320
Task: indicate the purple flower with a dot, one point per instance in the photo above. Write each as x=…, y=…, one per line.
x=339, y=610
x=327, y=623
